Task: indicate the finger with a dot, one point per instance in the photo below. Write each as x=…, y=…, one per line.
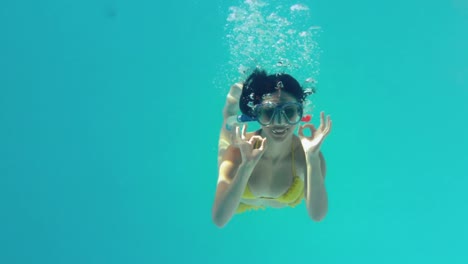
x=255, y=138
x=300, y=132
x=244, y=128
x=311, y=127
x=322, y=119
x=239, y=132
x=263, y=145
x=329, y=124
x=326, y=126
x=238, y=135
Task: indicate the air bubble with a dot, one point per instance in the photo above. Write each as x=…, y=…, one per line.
x=298, y=7
x=276, y=38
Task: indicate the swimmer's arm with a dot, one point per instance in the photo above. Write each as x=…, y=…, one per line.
x=233, y=177
x=315, y=191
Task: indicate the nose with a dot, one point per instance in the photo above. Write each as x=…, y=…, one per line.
x=278, y=118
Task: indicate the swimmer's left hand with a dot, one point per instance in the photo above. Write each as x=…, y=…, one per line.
x=312, y=144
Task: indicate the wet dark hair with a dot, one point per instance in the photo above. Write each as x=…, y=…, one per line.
x=258, y=83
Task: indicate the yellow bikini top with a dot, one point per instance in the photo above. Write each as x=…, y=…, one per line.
x=292, y=196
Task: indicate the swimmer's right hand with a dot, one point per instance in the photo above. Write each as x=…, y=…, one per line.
x=250, y=155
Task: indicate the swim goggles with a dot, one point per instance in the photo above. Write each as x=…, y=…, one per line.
x=265, y=113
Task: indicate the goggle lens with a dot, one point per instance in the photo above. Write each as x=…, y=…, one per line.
x=292, y=112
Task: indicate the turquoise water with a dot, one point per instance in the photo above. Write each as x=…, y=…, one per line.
x=109, y=120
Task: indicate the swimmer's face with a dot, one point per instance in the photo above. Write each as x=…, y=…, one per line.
x=279, y=129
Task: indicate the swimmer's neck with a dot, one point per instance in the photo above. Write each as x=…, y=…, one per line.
x=278, y=150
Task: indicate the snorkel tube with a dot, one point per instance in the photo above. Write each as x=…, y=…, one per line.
x=233, y=121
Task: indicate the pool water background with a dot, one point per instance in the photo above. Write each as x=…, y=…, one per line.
x=110, y=113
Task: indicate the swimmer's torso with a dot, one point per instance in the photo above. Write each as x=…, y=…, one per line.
x=274, y=178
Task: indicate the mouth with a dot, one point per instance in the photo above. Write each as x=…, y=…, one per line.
x=280, y=131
